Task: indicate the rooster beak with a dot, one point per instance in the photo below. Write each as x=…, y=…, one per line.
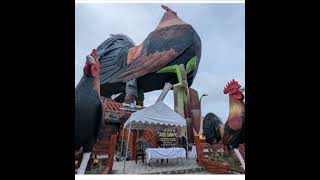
x=242, y=89
x=90, y=59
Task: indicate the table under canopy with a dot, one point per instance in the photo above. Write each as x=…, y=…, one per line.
x=157, y=114
x=165, y=153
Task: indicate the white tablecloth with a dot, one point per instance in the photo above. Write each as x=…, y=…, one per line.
x=165, y=153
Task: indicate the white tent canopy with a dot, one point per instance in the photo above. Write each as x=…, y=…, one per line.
x=157, y=114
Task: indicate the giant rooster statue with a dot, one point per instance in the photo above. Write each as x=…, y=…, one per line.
x=129, y=70
x=88, y=110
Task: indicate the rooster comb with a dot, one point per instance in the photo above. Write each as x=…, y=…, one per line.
x=232, y=85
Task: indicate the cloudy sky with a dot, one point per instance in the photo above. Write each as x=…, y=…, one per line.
x=221, y=28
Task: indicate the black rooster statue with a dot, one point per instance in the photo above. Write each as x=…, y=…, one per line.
x=88, y=110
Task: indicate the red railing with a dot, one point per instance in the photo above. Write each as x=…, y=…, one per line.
x=210, y=166
x=111, y=151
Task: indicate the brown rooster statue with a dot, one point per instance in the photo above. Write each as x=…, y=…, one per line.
x=129, y=70
x=233, y=133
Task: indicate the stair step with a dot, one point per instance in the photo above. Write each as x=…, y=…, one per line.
x=104, y=156
x=101, y=146
x=181, y=171
x=100, y=151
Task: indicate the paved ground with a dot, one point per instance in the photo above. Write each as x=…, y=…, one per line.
x=188, y=166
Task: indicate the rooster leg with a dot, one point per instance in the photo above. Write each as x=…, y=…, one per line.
x=140, y=97
x=84, y=163
x=131, y=91
x=166, y=89
x=236, y=150
x=120, y=98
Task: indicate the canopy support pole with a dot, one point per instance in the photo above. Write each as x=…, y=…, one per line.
x=187, y=141
x=125, y=158
x=122, y=141
x=236, y=150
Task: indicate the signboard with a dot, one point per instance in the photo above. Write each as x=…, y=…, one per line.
x=168, y=136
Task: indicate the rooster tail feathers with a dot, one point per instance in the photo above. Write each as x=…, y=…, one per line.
x=112, y=54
